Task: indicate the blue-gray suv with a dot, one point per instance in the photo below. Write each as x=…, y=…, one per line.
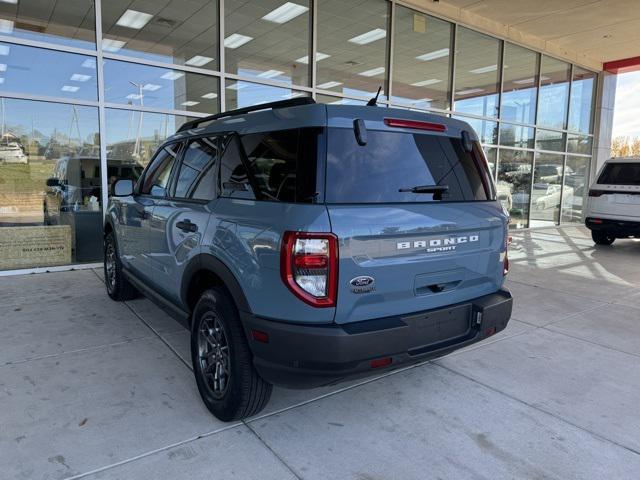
x=303, y=244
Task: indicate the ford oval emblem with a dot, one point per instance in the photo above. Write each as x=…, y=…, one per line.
x=362, y=284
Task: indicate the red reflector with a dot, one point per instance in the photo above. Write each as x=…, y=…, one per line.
x=259, y=336
x=311, y=261
x=490, y=331
x=381, y=362
x=596, y=220
x=398, y=122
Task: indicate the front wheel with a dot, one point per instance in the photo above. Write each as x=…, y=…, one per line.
x=118, y=287
x=228, y=383
x=602, y=238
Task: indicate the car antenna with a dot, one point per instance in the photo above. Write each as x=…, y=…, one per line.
x=374, y=101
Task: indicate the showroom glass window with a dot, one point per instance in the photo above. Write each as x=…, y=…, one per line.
x=581, y=102
x=60, y=22
x=422, y=60
x=268, y=39
x=477, y=73
x=518, y=136
x=50, y=192
x=244, y=94
x=514, y=184
x=352, y=40
x=519, y=84
x=169, y=31
x=576, y=186
x=554, y=92
x=546, y=190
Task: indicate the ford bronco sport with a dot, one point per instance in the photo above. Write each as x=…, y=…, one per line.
x=303, y=244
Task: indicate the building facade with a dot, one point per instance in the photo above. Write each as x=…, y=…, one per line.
x=89, y=89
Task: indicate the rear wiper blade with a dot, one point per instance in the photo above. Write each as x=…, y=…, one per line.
x=426, y=189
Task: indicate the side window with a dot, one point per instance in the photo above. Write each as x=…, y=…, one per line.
x=156, y=180
x=198, y=171
x=234, y=180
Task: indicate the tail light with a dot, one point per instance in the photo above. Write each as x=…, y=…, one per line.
x=595, y=193
x=504, y=257
x=309, y=267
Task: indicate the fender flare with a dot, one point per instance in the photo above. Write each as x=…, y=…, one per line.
x=214, y=265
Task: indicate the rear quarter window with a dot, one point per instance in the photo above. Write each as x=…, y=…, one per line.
x=620, y=174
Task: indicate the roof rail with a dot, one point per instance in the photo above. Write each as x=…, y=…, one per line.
x=291, y=102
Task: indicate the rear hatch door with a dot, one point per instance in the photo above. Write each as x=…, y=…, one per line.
x=617, y=193
x=402, y=251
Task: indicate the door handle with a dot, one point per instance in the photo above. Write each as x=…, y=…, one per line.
x=187, y=226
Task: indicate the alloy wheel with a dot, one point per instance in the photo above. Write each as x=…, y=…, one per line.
x=214, y=356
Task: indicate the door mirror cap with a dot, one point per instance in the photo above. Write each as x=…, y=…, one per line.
x=123, y=188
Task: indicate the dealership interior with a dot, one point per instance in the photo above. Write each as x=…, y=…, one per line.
x=89, y=89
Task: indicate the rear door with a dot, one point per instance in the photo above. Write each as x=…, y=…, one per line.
x=617, y=192
x=401, y=251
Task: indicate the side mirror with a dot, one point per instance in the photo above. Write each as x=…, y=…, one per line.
x=123, y=188
x=53, y=182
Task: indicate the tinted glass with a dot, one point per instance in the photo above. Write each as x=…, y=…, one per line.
x=66, y=23
x=283, y=164
x=142, y=85
x=156, y=179
x=422, y=60
x=234, y=179
x=49, y=181
x=514, y=184
x=477, y=75
x=198, y=171
x=620, y=174
x=547, y=189
x=392, y=161
x=184, y=33
x=519, y=84
x=47, y=72
x=352, y=39
x=267, y=38
x=580, y=107
x=554, y=92
x=576, y=184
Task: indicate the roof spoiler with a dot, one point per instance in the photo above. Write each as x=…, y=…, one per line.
x=291, y=102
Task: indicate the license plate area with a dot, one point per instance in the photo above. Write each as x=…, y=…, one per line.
x=434, y=330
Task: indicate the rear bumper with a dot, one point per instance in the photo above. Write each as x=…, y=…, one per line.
x=307, y=356
x=618, y=228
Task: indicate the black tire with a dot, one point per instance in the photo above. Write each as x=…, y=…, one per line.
x=239, y=391
x=118, y=287
x=602, y=238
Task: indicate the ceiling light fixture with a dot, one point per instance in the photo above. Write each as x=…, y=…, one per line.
x=373, y=72
x=270, y=74
x=134, y=19
x=6, y=26
x=12, y=2
x=236, y=86
x=189, y=103
x=285, y=12
x=210, y=96
x=443, y=52
x=172, y=75
x=470, y=91
x=151, y=87
x=490, y=68
x=4, y=50
x=133, y=96
x=69, y=88
x=328, y=85
x=368, y=37
x=319, y=56
x=78, y=77
x=3, y=67
x=89, y=63
x=236, y=40
x=198, y=61
x=110, y=45
x=424, y=83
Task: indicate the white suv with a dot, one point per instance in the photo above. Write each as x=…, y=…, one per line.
x=613, y=208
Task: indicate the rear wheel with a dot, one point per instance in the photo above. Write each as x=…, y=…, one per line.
x=228, y=383
x=118, y=287
x=602, y=238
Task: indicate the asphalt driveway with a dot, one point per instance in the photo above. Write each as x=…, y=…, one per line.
x=90, y=388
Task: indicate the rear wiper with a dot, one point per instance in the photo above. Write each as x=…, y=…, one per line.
x=437, y=190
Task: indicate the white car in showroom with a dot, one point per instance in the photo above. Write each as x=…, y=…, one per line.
x=613, y=207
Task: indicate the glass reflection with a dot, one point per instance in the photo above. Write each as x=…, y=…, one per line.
x=63, y=23
x=514, y=185
x=132, y=138
x=519, y=84
x=550, y=140
x=577, y=143
x=244, y=94
x=576, y=186
x=338, y=101
x=49, y=184
x=491, y=155
x=184, y=34
x=581, y=103
x=351, y=54
x=268, y=39
x=421, y=60
x=547, y=189
x=486, y=130
x=477, y=73
x=516, y=136
x=68, y=75
x=554, y=92
x=142, y=85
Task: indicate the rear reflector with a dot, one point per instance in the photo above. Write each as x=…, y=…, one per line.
x=596, y=220
x=259, y=336
x=400, y=123
x=381, y=362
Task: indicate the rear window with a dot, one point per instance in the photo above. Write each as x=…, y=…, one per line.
x=394, y=161
x=620, y=174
